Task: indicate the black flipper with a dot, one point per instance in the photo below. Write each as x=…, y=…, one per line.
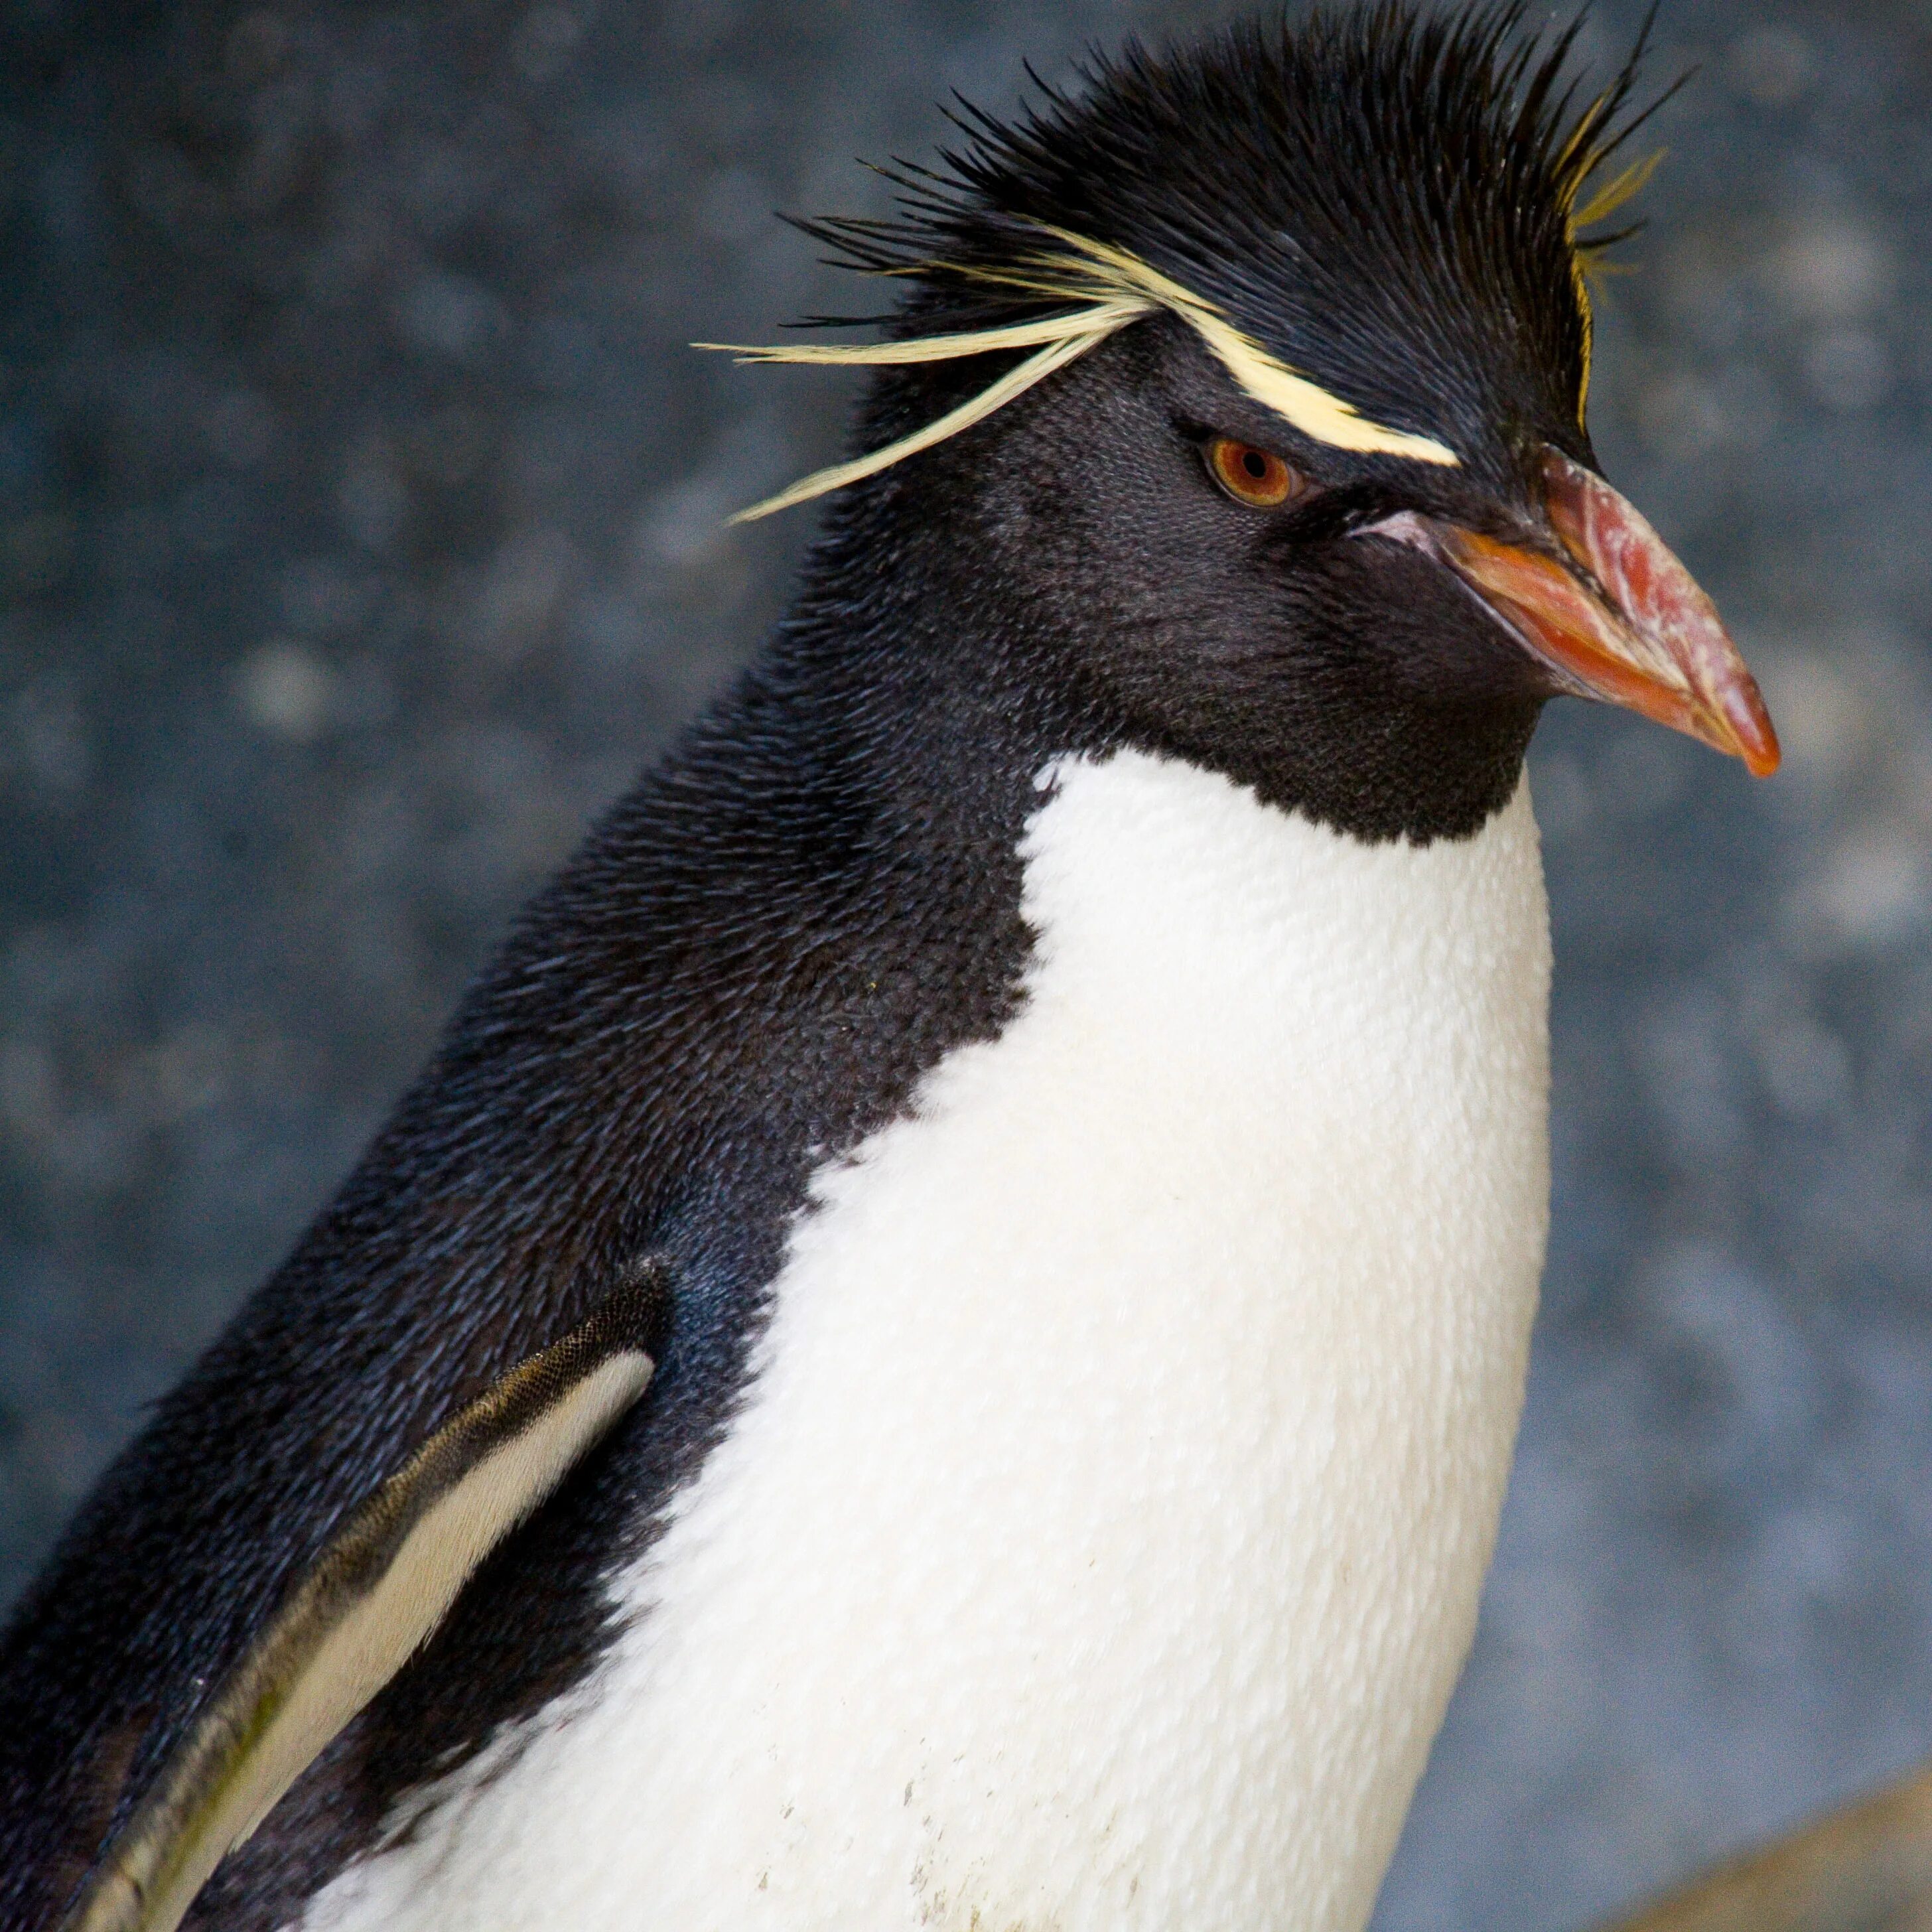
x=377, y=1592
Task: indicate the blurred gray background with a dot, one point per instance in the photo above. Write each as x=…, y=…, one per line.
x=362, y=530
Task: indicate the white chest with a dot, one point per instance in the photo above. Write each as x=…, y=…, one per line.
x=1099, y=1542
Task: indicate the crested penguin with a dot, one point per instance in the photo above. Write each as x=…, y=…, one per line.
x=940, y=1343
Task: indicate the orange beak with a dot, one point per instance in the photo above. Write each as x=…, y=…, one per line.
x=1611, y=613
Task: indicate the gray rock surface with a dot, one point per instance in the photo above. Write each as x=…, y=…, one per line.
x=361, y=530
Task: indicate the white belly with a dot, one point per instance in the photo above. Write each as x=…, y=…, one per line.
x=1099, y=1542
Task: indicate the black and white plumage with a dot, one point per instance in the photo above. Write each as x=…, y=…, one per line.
x=1065, y=1034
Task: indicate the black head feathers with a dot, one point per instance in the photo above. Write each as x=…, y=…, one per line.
x=1378, y=220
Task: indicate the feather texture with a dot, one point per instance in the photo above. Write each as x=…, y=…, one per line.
x=1087, y=205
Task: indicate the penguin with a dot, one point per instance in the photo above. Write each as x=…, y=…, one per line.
x=939, y=1344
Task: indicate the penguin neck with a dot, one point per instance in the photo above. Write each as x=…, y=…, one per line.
x=959, y=684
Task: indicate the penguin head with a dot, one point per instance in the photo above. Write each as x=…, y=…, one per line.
x=1247, y=386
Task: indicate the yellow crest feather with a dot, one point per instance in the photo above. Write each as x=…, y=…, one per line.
x=1581, y=159
x=1056, y=355
x=1307, y=407
x=1110, y=288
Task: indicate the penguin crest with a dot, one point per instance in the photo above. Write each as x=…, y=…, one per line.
x=1477, y=171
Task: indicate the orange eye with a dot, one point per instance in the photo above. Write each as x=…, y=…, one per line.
x=1255, y=477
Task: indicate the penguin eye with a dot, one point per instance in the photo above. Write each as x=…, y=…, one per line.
x=1258, y=478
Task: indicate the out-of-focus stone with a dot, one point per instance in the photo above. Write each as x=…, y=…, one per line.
x=284, y=689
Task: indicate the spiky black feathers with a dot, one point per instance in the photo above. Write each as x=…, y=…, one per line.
x=1386, y=210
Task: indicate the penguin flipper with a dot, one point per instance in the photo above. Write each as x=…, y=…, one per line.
x=377, y=1592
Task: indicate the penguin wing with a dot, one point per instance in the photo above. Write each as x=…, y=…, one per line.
x=376, y=1591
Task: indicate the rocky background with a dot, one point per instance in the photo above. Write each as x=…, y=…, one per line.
x=362, y=530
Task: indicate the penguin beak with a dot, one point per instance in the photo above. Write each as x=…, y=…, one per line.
x=1604, y=606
